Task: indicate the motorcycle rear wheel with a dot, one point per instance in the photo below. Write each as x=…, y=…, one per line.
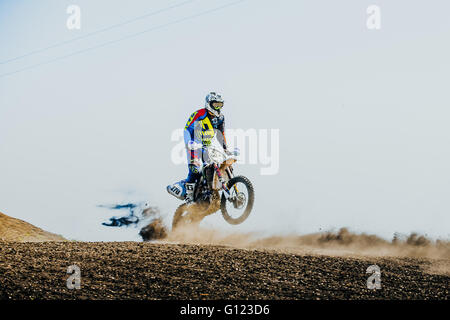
x=178, y=216
x=183, y=216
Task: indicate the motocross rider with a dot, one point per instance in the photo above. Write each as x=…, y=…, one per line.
x=199, y=131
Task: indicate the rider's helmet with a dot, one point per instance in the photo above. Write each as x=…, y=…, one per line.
x=214, y=102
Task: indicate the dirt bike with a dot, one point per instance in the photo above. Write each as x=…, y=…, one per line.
x=217, y=188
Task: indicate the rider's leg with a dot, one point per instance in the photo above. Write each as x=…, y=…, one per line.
x=194, y=167
x=191, y=180
x=184, y=189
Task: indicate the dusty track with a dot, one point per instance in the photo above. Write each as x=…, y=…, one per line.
x=130, y=270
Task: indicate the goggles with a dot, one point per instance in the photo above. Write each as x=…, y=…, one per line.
x=216, y=104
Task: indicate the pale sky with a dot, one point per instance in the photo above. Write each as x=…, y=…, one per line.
x=363, y=114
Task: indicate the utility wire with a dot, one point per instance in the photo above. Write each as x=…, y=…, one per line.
x=124, y=38
x=59, y=44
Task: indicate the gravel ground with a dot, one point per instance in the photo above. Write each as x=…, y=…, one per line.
x=132, y=270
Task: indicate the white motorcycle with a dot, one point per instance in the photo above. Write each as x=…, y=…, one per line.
x=217, y=188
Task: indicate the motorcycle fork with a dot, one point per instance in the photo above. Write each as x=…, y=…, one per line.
x=222, y=181
x=231, y=175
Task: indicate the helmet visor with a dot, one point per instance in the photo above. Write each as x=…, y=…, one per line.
x=216, y=104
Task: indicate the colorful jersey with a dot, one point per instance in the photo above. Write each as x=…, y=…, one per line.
x=201, y=128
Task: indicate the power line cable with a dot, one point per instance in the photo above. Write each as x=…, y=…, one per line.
x=59, y=44
x=125, y=38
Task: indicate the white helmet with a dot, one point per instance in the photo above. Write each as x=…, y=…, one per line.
x=214, y=102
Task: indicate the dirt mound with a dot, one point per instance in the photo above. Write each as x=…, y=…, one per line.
x=138, y=270
x=12, y=229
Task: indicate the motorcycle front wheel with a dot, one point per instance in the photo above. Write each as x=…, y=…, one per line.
x=237, y=209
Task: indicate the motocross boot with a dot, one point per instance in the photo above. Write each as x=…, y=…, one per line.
x=177, y=190
x=190, y=187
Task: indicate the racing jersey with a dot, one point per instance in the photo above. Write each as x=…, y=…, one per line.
x=201, y=128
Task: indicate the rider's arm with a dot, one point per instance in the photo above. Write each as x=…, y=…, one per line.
x=222, y=131
x=189, y=130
